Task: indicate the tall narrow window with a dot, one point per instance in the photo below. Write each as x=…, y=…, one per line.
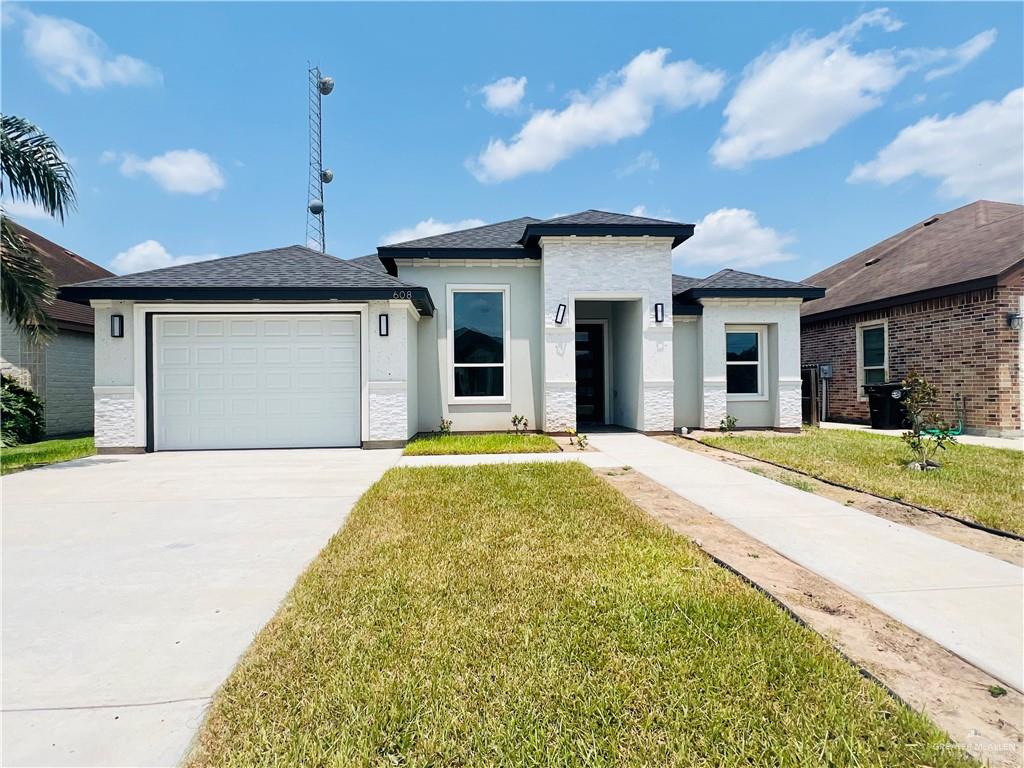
x=479, y=340
x=873, y=356
x=743, y=350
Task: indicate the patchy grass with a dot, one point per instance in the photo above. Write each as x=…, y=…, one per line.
x=975, y=482
x=45, y=452
x=532, y=616
x=496, y=442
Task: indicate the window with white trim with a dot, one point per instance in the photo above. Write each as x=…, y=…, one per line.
x=744, y=358
x=478, y=341
x=873, y=358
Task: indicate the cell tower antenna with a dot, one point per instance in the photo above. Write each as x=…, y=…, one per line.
x=319, y=86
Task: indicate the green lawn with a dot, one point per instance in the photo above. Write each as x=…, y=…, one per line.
x=530, y=615
x=496, y=442
x=975, y=482
x=45, y=452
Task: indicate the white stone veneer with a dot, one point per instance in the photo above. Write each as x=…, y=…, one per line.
x=114, y=417
x=389, y=417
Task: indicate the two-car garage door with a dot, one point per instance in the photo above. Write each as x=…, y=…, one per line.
x=255, y=381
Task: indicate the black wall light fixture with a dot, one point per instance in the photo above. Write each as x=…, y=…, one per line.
x=117, y=326
x=382, y=325
x=560, y=314
x=659, y=313
x=1013, y=320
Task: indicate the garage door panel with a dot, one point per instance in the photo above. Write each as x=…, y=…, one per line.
x=209, y=328
x=243, y=328
x=258, y=381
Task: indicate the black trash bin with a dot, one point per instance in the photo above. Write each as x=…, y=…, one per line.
x=885, y=401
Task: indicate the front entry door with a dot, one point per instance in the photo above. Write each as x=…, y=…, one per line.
x=590, y=373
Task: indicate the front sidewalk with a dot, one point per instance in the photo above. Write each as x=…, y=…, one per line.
x=970, y=603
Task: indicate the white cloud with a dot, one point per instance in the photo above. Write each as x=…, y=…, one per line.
x=429, y=227
x=504, y=95
x=798, y=96
x=638, y=210
x=70, y=54
x=620, y=105
x=150, y=254
x=964, y=54
x=645, y=161
x=23, y=209
x=185, y=171
x=732, y=237
x=976, y=154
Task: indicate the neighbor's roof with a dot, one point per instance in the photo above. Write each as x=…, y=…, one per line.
x=518, y=238
x=286, y=274
x=965, y=249
x=66, y=267
x=730, y=283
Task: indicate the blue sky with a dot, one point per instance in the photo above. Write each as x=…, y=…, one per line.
x=793, y=134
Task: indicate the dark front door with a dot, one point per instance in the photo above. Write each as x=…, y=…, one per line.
x=589, y=373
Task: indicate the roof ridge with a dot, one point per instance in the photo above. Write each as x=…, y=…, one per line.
x=455, y=231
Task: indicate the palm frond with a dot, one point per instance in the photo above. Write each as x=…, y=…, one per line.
x=33, y=169
x=26, y=285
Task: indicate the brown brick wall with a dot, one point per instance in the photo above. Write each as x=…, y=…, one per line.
x=960, y=343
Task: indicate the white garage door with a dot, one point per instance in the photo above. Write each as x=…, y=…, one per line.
x=256, y=381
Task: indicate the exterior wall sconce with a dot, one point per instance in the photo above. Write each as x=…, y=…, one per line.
x=117, y=326
x=659, y=313
x=382, y=325
x=560, y=314
x=1014, y=321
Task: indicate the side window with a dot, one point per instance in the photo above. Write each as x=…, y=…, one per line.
x=743, y=350
x=873, y=360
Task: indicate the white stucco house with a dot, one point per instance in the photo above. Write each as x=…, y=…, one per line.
x=573, y=322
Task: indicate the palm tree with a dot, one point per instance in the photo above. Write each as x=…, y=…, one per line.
x=32, y=170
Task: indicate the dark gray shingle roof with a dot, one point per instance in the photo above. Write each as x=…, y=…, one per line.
x=513, y=234
x=681, y=283
x=371, y=262
x=731, y=282
x=594, y=216
x=293, y=272
x=504, y=234
x=975, y=244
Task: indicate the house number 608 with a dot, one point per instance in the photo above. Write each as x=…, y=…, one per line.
x=402, y=295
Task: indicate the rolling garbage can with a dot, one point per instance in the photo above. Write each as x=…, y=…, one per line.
x=885, y=401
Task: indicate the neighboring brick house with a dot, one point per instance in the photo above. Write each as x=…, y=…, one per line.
x=60, y=372
x=944, y=298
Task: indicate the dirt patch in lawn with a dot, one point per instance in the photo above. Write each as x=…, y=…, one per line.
x=1001, y=547
x=929, y=678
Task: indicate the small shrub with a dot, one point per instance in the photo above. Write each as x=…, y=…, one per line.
x=445, y=428
x=21, y=413
x=520, y=423
x=581, y=442
x=728, y=424
x=928, y=433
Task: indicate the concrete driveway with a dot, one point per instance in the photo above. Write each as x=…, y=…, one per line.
x=132, y=584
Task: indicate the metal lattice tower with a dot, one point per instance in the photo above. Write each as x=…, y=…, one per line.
x=319, y=86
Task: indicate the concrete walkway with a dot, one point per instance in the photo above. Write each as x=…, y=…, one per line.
x=1010, y=443
x=970, y=603
x=132, y=584
x=590, y=458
